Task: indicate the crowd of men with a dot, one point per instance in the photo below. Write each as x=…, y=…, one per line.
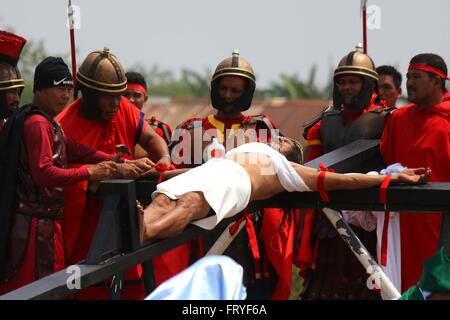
x=52, y=156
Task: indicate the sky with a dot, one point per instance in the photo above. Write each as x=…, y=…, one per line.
x=277, y=36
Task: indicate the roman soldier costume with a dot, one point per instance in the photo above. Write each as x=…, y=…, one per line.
x=330, y=268
x=266, y=275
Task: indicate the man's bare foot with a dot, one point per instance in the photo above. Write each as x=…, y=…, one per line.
x=153, y=214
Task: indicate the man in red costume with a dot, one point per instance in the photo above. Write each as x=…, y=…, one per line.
x=11, y=83
x=137, y=93
x=35, y=154
x=420, y=133
x=330, y=269
x=101, y=119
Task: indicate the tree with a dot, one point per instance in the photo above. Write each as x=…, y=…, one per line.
x=292, y=87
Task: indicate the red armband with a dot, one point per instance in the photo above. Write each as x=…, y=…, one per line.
x=162, y=168
x=384, y=234
x=321, y=182
x=321, y=186
x=383, y=190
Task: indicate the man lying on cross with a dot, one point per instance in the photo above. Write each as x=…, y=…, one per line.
x=250, y=172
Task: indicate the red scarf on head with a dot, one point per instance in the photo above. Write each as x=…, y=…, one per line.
x=137, y=87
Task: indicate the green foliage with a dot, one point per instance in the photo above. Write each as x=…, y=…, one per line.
x=190, y=84
x=292, y=87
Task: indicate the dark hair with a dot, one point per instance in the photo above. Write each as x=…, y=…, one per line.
x=296, y=153
x=136, y=77
x=432, y=60
x=391, y=71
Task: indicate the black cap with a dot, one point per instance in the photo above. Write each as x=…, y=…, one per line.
x=52, y=72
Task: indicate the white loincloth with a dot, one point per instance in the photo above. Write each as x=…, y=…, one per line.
x=225, y=185
x=287, y=175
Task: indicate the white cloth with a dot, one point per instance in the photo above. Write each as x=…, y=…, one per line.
x=225, y=185
x=287, y=175
x=210, y=278
x=375, y=219
x=393, y=267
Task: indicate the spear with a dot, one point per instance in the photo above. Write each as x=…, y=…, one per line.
x=72, y=46
x=364, y=24
x=388, y=290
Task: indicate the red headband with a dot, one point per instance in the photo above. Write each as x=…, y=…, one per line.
x=426, y=68
x=137, y=87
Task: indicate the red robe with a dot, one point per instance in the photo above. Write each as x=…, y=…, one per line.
x=81, y=211
x=418, y=138
x=278, y=240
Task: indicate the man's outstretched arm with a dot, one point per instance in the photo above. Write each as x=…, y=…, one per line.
x=352, y=181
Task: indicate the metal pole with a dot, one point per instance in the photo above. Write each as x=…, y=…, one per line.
x=72, y=46
x=225, y=240
x=364, y=24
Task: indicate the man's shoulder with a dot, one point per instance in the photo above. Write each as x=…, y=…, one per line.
x=127, y=107
x=313, y=132
x=401, y=111
x=191, y=123
x=36, y=119
x=156, y=122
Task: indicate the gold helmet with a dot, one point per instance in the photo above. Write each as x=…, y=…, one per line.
x=102, y=71
x=360, y=64
x=356, y=62
x=233, y=66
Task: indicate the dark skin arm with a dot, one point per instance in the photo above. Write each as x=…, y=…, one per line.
x=155, y=146
x=167, y=174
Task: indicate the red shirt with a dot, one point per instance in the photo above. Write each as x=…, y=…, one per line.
x=418, y=138
x=38, y=134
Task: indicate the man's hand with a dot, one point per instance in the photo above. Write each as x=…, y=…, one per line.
x=412, y=176
x=143, y=163
x=127, y=170
x=101, y=171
